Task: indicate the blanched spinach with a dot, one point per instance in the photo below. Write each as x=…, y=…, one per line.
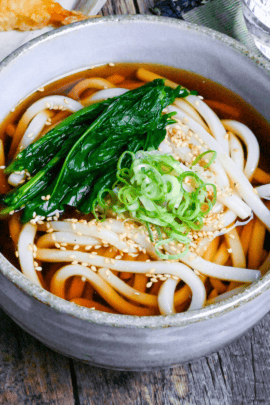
x=78, y=157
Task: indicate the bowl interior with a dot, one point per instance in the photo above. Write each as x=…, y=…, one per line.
x=134, y=39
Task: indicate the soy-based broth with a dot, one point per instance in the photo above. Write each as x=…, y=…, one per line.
x=224, y=102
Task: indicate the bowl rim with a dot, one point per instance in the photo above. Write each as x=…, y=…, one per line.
x=119, y=320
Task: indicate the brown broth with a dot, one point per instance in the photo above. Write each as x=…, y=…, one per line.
x=205, y=87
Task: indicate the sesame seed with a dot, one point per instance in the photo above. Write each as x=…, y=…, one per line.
x=93, y=268
x=17, y=253
x=83, y=278
x=111, y=64
x=75, y=247
x=108, y=273
x=148, y=285
x=39, y=268
x=74, y=262
x=40, y=89
x=84, y=264
x=229, y=250
x=137, y=293
x=11, y=212
x=88, y=247
x=232, y=236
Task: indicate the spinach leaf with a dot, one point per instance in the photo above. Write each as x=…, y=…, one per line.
x=76, y=159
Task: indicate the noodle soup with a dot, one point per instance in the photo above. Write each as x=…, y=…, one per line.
x=203, y=239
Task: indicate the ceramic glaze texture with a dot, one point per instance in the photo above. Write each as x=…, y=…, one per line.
x=118, y=341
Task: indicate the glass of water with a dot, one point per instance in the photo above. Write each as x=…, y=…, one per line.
x=257, y=17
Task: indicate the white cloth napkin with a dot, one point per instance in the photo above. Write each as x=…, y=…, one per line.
x=11, y=40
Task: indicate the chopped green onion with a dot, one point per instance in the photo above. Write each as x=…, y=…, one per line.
x=198, y=158
x=152, y=191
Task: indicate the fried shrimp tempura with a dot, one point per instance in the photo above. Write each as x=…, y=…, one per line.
x=25, y=15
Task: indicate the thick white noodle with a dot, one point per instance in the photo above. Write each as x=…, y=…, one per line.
x=266, y=265
x=236, y=151
x=175, y=269
x=264, y=191
x=49, y=102
x=105, y=290
x=224, y=296
x=208, y=139
x=49, y=240
x=166, y=297
x=190, y=111
x=33, y=130
x=108, y=93
x=213, y=122
x=233, y=202
x=246, y=190
x=250, y=141
x=149, y=300
x=217, y=208
x=223, y=272
x=225, y=219
x=26, y=241
x=95, y=231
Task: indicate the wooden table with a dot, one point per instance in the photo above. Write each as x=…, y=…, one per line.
x=32, y=374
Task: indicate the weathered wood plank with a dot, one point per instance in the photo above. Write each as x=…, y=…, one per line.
x=30, y=373
x=99, y=386
x=112, y=7
x=118, y=7
x=237, y=374
x=143, y=6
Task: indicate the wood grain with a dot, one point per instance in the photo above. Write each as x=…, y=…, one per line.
x=99, y=386
x=30, y=373
x=237, y=374
x=119, y=7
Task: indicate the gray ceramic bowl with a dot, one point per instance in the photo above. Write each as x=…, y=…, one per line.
x=119, y=341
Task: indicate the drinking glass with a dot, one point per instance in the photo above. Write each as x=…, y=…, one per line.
x=257, y=18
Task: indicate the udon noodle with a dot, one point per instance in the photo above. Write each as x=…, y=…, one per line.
x=113, y=266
